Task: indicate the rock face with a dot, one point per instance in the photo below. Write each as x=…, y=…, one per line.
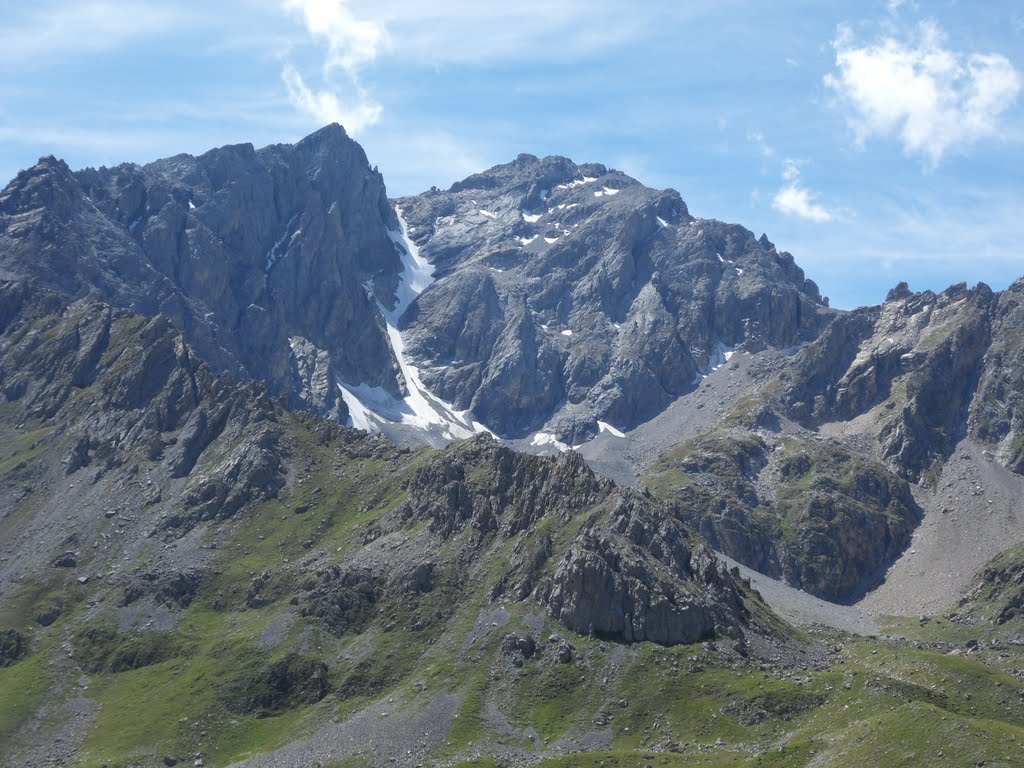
x=563, y=294
x=997, y=409
x=934, y=368
x=570, y=294
x=490, y=488
x=12, y=647
x=258, y=257
x=126, y=387
x=810, y=512
x=997, y=595
x=634, y=576
x=630, y=573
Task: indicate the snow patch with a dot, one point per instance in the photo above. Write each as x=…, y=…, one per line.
x=275, y=254
x=606, y=427
x=545, y=438
x=191, y=205
x=488, y=214
x=609, y=191
x=550, y=240
x=720, y=258
x=577, y=182
x=527, y=240
x=362, y=402
x=567, y=332
x=531, y=218
x=720, y=355
x=369, y=407
x=738, y=270
x=662, y=223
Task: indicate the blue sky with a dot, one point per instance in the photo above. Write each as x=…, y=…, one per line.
x=877, y=141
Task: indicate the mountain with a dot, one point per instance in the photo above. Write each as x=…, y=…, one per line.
x=258, y=257
x=568, y=296
x=164, y=506
x=896, y=413
x=216, y=579
x=537, y=299
x=747, y=529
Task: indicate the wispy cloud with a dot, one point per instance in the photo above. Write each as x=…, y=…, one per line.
x=464, y=31
x=326, y=105
x=351, y=43
x=794, y=199
x=933, y=98
x=53, y=30
x=764, y=149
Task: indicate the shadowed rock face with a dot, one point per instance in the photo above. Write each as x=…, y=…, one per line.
x=258, y=257
x=997, y=410
x=808, y=511
x=568, y=294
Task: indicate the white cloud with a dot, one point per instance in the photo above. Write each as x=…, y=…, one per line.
x=793, y=199
x=327, y=106
x=351, y=43
x=932, y=98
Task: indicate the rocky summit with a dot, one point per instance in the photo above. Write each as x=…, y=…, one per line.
x=540, y=470
x=258, y=257
x=568, y=295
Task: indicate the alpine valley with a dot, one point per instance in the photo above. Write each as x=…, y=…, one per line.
x=539, y=470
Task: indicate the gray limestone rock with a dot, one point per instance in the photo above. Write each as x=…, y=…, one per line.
x=566, y=294
x=242, y=249
x=634, y=576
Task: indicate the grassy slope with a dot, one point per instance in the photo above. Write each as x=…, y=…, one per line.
x=884, y=702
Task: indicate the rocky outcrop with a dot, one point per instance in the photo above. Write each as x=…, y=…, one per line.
x=918, y=357
x=241, y=249
x=634, y=576
x=12, y=647
x=997, y=595
x=567, y=294
x=806, y=511
x=997, y=410
x=268, y=690
x=122, y=385
x=342, y=600
x=169, y=589
x=487, y=487
x=630, y=571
